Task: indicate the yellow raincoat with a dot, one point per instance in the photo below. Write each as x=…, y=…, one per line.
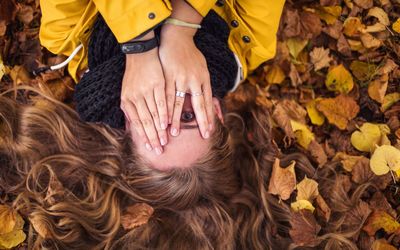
x=67, y=23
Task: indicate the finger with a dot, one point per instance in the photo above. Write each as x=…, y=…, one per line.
x=170, y=95
x=161, y=133
x=208, y=103
x=159, y=96
x=176, y=116
x=148, y=125
x=198, y=103
x=135, y=123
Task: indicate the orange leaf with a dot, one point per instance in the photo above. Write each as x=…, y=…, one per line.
x=282, y=181
x=380, y=219
x=136, y=215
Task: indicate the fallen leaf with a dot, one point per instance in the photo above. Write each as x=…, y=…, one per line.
x=302, y=204
x=318, y=153
x=361, y=172
x=307, y=189
x=365, y=4
x=356, y=216
x=381, y=220
x=379, y=202
x=304, y=228
x=377, y=88
x=11, y=225
x=380, y=14
x=287, y=110
x=388, y=67
x=303, y=134
x=348, y=161
x=19, y=75
x=322, y=208
x=352, y=26
x=339, y=110
x=384, y=159
x=136, y=215
x=396, y=25
x=382, y=244
x=320, y=58
x=3, y=69
x=329, y=13
x=363, y=71
x=316, y=117
x=283, y=180
x=367, y=138
x=295, y=46
x=339, y=80
x=274, y=74
x=389, y=100
x=369, y=41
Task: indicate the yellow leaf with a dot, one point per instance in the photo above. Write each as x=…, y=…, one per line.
x=339, y=110
x=329, y=13
x=295, y=46
x=389, y=100
x=348, y=161
x=302, y=204
x=356, y=45
x=382, y=244
x=377, y=88
x=19, y=75
x=307, y=189
x=339, y=79
x=283, y=180
x=369, y=41
x=380, y=14
x=367, y=138
x=385, y=158
x=3, y=69
x=352, y=26
x=302, y=133
x=11, y=224
x=316, y=117
x=396, y=25
x=274, y=75
x=380, y=219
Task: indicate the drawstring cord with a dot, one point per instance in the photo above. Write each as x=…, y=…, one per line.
x=60, y=65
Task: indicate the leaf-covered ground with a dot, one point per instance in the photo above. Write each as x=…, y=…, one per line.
x=333, y=90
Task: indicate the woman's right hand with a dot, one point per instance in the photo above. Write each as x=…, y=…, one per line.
x=143, y=98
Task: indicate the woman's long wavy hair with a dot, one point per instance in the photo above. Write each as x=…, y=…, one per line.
x=74, y=180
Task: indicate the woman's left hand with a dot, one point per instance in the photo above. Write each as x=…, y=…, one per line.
x=185, y=69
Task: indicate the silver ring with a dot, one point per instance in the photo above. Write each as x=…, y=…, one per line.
x=196, y=94
x=180, y=94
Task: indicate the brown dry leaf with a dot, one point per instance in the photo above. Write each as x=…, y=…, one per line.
x=382, y=244
x=317, y=152
x=283, y=180
x=307, y=189
x=352, y=26
x=363, y=71
x=323, y=209
x=339, y=110
x=369, y=41
x=329, y=13
x=381, y=220
x=305, y=229
x=388, y=67
x=361, y=172
x=136, y=215
x=343, y=46
x=365, y=4
x=377, y=88
x=379, y=202
x=294, y=76
x=320, y=58
x=357, y=216
x=287, y=110
x=348, y=161
x=274, y=74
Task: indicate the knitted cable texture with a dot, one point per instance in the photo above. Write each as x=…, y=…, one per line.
x=97, y=95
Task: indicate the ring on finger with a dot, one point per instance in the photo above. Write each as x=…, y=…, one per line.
x=196, y=93
x=180, y=94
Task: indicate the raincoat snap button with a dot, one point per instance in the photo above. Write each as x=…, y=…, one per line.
x=246, y=39
x=220, y=3
x=152, y=15
x=234, y=23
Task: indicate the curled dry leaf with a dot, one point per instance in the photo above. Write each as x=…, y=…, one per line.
x=305, y=229
x=302, y=204
x=317, y=153
x=384, y=159
x=382, y=244
x=380, y=14
x=339, y=110
x=377, y=88
x=307, y=189
x=287, y=110
x=320, y=58
x=381, y=220
x=339, y=79
x=369, y=41
x=283, y=180
x=11, y=225
x=136, y=215
x=323, y=209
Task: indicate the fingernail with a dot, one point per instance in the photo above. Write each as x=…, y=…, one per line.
x=158, y=151
x=163, y=141
x=206, y=134
x=174, y=132
x=148, y=146
x=163, y=126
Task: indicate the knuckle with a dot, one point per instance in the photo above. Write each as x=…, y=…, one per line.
x=147, y=122
x=154, y=114
x=161, y=103
x=178, y=103
x=136, y=123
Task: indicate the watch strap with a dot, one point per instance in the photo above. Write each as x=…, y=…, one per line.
x=135, y=47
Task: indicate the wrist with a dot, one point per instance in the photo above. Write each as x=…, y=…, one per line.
x=173, y=31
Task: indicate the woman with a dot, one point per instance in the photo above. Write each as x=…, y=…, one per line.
x=154, y=83
x=75, y=181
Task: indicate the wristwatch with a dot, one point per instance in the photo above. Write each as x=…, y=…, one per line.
x=135, y=47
